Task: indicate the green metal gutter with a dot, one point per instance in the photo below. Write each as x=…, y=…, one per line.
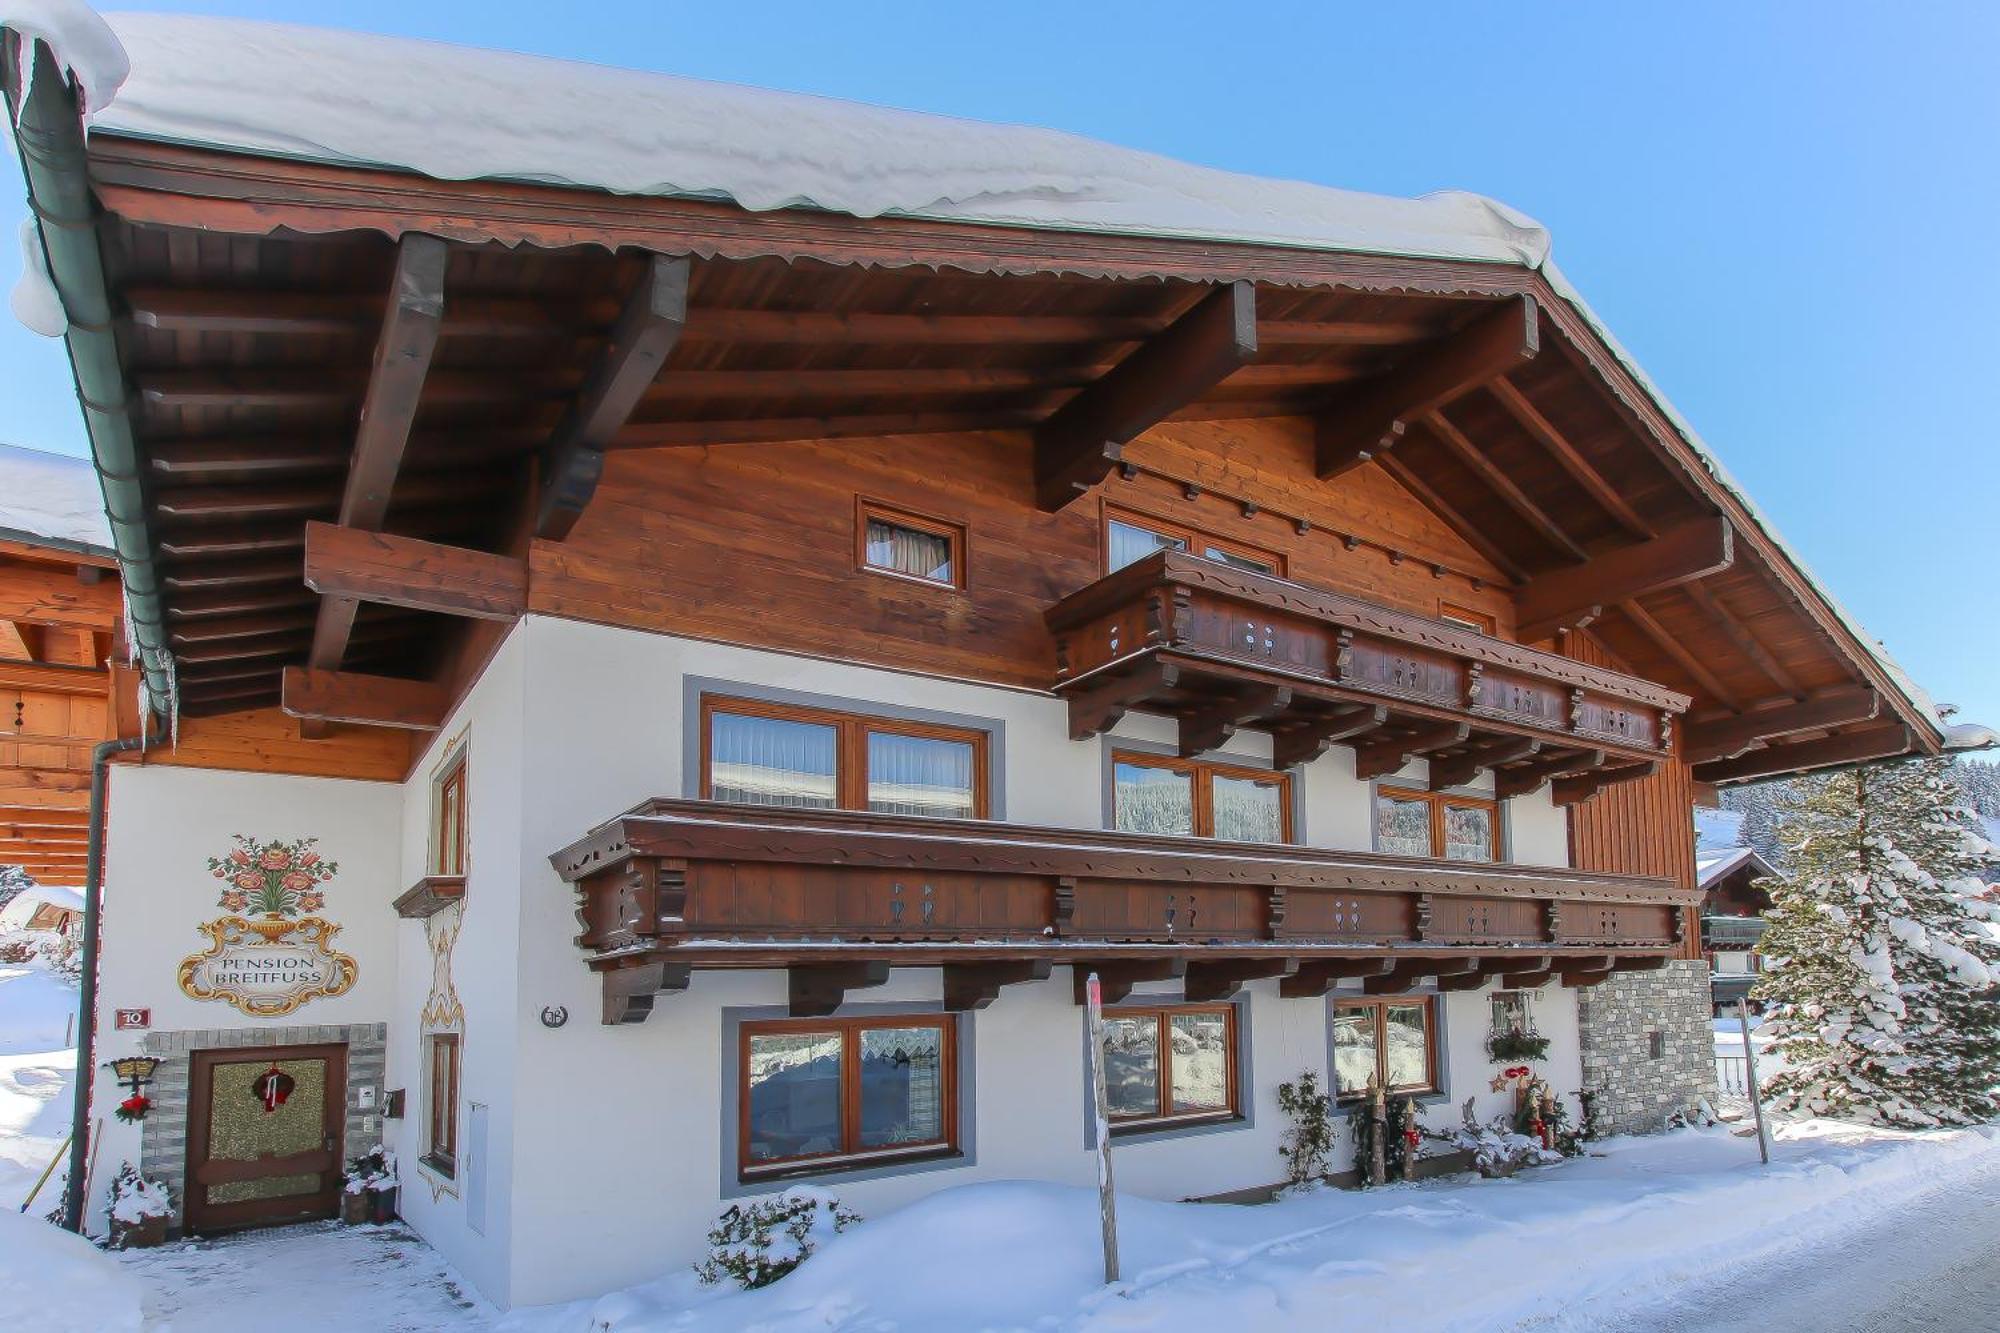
x=48, y=129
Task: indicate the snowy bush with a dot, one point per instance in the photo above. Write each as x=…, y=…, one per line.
x=62, y=956
x=16, y=950
x=1496, y=1148
x=13, y=880
x=758, y=1243
x=1308, y=1143
x=372, y=1171
x=136, y=1202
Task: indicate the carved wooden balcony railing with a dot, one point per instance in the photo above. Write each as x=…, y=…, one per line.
x=1223, y=648
x=838, y=898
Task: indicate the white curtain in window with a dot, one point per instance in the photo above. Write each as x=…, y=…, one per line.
x=919, y=775
x=1129, y=543
x=926, y=555
x=771, y=761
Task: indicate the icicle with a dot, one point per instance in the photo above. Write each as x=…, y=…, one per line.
x=35, y=301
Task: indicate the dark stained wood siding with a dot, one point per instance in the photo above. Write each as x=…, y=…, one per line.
x=1645, y=827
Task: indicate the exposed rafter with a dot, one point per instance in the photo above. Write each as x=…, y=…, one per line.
x=1209, y=727
x=1580, y=787
x=376, y=701
x=1706, y=741
x=1656, y=633
x=1378, y=759
x=1475, y=536
x=388, y=410
x=1501, y=484
x=1569, y=459
x=817, y=989
x=1369, y=420
x=1747, y=642
x=630, y=361
x=1078, y=445
x=1222, y=978
x=1308, y=741
x=1852, y=747
x=1568, y=598
x=1407, y=973
x=1458, y=769
x=970, y=986
x=1116, y=977
x=1529, y=777
x=417, y=575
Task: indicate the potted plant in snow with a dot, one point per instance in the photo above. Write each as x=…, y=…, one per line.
x=369, y=1194
x=141, y=1210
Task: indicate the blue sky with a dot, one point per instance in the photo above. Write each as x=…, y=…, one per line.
x=1786, y=211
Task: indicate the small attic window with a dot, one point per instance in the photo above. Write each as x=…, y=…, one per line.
x=910, y=546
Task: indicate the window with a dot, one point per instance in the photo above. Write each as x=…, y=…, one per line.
x=441, y=1143
x=1157, y=794
x=759, y=753
x=448, y=819
x=1170, y=1064
x=894, y=541
x=1387, y=1040
x=1422, y=823
x=1512, y=1011
x=821, y=1093
x=1476, y=621
x=1130, y=537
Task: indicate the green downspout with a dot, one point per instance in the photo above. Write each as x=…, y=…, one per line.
x=48, y=129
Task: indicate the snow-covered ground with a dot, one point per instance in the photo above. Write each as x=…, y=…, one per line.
x=35, y=1073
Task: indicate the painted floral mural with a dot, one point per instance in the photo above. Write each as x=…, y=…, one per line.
x=280, y=879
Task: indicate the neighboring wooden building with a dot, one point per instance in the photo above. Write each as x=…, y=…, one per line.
x=673, y=699
x=1732, y=920
x=59, y=614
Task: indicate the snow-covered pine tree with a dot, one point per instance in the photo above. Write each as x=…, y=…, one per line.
x=1879, y=952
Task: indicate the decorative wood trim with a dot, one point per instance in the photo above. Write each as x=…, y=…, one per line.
x=429, y=896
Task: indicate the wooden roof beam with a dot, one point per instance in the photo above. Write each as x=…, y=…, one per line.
x=1220, y=979
x=1116, y=977
x=1643, y=621
x=1502, y=485
x=1725, y=739
x=817, y=989
x=646, y=331
x=1569, y=459
x=1847, y=748
x=1746, y=642
x=1569, y=598
x=969, y=986
x=1078, y=445
x=1474, y=534
x=388, y=410
x=1369, y=420
x=1407, y=973
x=379, y=567
x=1098, y=706
x=373, y=701
x=1317, y=976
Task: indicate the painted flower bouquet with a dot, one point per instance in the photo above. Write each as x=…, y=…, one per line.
x=272, y=879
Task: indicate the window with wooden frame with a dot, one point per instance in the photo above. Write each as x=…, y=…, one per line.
x=1153, y=793
x=441, y=1136
x=760, y=753
x=1409, y=822
x=1168, y=1064
x=1460, y=617
x=448, y=818
x=1130, y=536
x=893, y=541
x=1392, y=1041
x=827, y=1093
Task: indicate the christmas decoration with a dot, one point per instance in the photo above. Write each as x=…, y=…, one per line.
x=135, y=1072
x=273, y=1087
x=133, y=1109
x=1517, y=1044
x=1880, y=948
x=1387, y=1138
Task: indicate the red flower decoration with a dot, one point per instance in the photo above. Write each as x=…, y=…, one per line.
x=277, y=858
x=134, y=1108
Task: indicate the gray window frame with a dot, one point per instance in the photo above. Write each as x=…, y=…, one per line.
x=694, y=688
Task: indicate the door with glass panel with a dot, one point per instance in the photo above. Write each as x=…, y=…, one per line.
x=264, y=1135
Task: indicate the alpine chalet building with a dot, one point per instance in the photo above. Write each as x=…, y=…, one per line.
x=681, y=621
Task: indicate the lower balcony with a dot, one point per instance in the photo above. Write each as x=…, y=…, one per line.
x=838, y=898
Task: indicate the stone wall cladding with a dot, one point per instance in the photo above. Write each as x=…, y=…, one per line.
x=1617, y=1019
x=163, y=1133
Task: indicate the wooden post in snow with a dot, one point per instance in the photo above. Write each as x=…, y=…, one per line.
x=1107, y=1199
x=1378, y=1116
x=1750, y=1077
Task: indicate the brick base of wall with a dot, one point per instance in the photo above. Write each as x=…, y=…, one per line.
x=163, y=1133
x=1648, y=1048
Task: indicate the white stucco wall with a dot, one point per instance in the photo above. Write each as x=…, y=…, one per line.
x=165, y=824
x=636, y=1109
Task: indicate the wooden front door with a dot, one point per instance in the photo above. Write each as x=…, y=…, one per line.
x=265, y=1135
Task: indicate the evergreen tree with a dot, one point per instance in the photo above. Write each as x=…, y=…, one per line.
x=1881, y=950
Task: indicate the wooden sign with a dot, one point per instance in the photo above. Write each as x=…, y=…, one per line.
x=132, y=1020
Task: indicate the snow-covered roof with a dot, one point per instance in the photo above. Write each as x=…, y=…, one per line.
x=51, y=497
x=21, y=907
x=1708, y=869
x=1717, y=831
x=457, y=113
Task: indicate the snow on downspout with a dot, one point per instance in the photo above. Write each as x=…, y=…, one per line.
x=90, y=54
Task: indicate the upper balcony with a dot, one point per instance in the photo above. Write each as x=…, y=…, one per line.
x=1223, y=648
x=1732, y=932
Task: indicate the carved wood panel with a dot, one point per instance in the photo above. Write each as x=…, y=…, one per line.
x=834, y=902
x=1618, y=923
x=1116, y=910
x=1349, y=918
x=1484, y=920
